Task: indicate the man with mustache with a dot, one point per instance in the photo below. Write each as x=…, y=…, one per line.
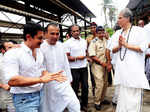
x=76, y=51
x=25, y=72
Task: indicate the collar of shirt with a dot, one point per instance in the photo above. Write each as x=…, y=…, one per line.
x=102, y=39
x=1, y=55
x=96, y=39
x=49, y=45
x=46, y=42
x=26, y=48
x=72, y=38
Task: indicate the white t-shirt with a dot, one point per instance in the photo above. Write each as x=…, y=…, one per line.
x=76, y=48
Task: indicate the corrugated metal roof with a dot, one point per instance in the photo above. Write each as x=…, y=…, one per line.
x=78, y=6
x=50, y=6
x=133, y=4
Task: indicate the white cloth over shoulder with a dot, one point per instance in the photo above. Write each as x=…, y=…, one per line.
x=56, y=95
x=130, y=71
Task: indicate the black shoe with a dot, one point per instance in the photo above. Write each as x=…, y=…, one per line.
x=114, y=104
x=98, y=107
x=105, y=102
x=83, y=108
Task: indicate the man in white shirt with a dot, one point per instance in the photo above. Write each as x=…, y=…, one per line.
x=129, y=47
x=57, y=96
x=24, y=70
x=5, y=96
x=76, y=51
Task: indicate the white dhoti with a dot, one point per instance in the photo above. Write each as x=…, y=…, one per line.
x=116, y=93
x=129, y=100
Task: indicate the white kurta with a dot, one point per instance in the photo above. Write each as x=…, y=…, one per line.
x=57, y=95
x=130, y=71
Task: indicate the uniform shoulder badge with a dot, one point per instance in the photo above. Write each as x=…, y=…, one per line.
x=95, y=39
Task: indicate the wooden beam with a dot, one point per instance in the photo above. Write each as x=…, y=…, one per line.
x=19, y=6
x=10, y=36
x=10, y=24
x=24, y=13
x=65, y=7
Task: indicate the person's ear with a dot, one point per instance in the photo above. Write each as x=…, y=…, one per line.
x=28, y=37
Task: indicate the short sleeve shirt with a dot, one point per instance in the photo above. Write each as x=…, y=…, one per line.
x=97, y=48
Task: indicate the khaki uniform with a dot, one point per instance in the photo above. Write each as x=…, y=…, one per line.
x=97, y=48
x=89, y=39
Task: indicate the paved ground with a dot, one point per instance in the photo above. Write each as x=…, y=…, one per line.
x=110, y=108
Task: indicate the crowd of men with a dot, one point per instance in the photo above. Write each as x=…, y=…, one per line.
x=45, y=75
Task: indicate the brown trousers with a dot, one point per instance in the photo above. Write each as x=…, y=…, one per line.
x=101, y=80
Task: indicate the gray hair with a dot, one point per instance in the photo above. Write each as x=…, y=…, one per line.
x=127, y=13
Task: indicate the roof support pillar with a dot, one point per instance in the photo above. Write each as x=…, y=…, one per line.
x=90, y=19
x=75, y=19
x=60, y=27
x=85, y=28
x=27, y=6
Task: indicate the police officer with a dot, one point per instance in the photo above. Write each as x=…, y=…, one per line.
x=96, y=50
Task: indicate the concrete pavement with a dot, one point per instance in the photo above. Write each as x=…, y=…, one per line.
x=110, y=108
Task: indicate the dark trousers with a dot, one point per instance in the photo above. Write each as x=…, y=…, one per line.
x=109, y=78
x=81, y=76
x=3, y=110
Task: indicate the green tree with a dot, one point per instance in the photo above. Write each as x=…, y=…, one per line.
x=110, y=31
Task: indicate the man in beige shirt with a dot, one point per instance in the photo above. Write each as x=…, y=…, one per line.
x=96, y=50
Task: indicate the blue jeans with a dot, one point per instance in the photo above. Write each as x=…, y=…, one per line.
x=27, y=102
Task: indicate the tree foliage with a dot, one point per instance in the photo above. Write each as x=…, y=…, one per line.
x=110, y=31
